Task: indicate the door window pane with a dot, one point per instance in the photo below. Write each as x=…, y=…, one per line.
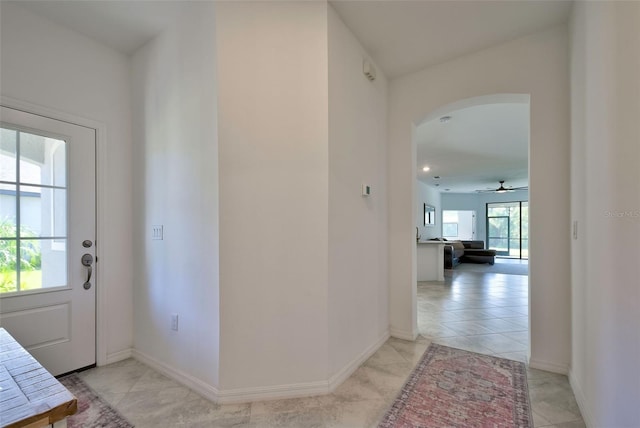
x=33, y=212
x=8, y=271
x=43, y=211
x=44, y=263
x=42, y=160
x=8, y=212
x=8, y=156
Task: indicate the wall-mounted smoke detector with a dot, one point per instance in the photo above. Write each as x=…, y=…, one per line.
x=369, y=70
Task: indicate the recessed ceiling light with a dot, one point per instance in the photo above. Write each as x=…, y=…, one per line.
x=445, y=119
x=426, y=168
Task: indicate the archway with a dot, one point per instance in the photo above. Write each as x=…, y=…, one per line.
x=535, y=65
x=469, y=145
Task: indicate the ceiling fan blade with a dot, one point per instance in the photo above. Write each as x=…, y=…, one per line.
x=502, y=189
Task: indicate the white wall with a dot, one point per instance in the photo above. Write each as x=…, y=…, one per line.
x=176, y=185
x=50, y=66
x=535, y=65
x=274, y=184
x=605, y=201
x=427, y=194
x=478, y=203
x=358, y=274
x=303, y=259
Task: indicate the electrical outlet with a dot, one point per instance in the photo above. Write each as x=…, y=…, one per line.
x=174, y=322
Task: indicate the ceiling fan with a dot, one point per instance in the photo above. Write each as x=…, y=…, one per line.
x=503, y=189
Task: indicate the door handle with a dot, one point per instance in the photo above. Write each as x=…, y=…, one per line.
x=87, y=260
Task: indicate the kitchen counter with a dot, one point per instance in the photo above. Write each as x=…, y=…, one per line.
x=430, y=260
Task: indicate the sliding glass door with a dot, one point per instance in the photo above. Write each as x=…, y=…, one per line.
x=508, y=228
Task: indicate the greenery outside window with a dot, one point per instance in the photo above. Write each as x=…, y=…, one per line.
x=508, y=228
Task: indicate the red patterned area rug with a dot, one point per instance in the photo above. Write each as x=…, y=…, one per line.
x=93, y=411
x=454, y=388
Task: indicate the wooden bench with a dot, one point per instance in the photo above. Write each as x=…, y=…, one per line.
x=30, y=396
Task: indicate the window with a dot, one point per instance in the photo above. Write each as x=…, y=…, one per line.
x=459, y=224
x=508, y=228
x=450, y=230
x=33, y=211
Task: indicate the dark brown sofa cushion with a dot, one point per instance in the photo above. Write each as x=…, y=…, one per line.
x=473, y=244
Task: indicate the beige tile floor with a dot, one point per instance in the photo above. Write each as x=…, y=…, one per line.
x=480, y=312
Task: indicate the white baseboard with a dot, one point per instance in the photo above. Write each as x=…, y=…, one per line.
x=403, y=334
x=119, y=356
x=548, y=366
x=344, y=373
x=578, y=393
x=242, y=395
x=187, y=380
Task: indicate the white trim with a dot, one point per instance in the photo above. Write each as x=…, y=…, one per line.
x=119, y=356
x=260, y=393
x=344, y=373
x=548, y=366
x=403, y=334
x=101, y=159
x=101, y=233
x=195, y=384
x=578, y=393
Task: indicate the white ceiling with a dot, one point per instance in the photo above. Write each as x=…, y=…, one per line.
x=480, y=146
x=123, y=25
x=402, y=36
x=407, y=36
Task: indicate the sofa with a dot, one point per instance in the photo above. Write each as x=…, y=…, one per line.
x=456, y=252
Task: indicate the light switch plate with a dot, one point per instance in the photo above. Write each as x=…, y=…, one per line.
x=174, y=322
x=157, y=232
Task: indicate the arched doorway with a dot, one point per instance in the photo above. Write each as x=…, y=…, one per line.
x=462, y=151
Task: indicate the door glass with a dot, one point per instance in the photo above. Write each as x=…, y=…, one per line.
x=508, y=228
x=33, y=212
x=499, y=235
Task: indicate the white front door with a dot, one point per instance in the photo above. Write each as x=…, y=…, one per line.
x=47, y=238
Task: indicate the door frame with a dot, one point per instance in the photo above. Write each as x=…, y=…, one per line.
x=101, y=156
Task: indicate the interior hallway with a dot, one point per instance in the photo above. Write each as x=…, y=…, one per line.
x=484, y=313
